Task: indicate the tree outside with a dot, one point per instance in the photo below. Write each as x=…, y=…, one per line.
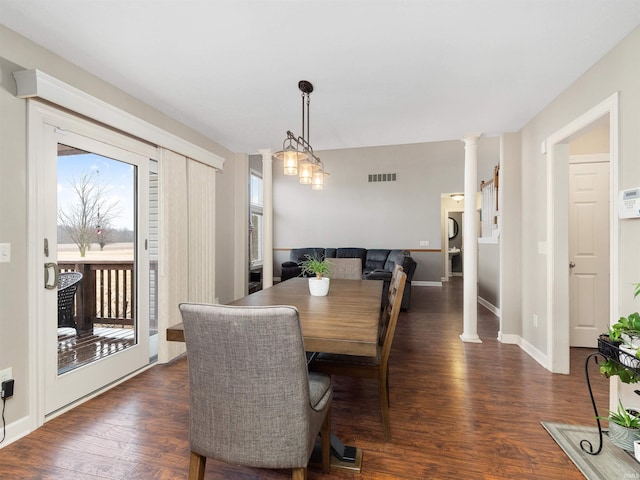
x=89, y=217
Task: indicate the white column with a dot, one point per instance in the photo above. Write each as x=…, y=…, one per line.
x=267, y=218
x=470, y=244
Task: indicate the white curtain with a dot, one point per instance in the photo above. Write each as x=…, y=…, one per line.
x=187, y=241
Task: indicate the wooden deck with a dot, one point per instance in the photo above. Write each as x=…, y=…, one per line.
x=458, y=411
x=74, y=351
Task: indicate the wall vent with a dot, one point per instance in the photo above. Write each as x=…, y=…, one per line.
x=382, y=177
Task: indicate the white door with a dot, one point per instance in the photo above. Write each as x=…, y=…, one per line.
x=68, y=149
x=588, y=251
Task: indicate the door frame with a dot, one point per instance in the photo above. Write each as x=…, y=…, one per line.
x=39, y=115
x=557, y=238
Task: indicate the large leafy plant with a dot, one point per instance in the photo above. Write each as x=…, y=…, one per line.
x=623, y=331
x=626, y=325
x=610, y=368
x=629, y=326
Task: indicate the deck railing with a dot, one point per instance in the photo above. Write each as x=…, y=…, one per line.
x=105, y=294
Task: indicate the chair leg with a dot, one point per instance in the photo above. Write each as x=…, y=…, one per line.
x=299, y=473
x=384, y=408
x=196, y=466
x=325, y=433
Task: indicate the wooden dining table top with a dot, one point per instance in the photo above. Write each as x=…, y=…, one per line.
x=345, y=321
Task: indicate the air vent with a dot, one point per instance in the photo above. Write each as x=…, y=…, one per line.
x=382, y=177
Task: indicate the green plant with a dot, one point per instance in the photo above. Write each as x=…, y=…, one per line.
x=627, y=325
x=610, y=368
x=315, y=266
x=623, y=417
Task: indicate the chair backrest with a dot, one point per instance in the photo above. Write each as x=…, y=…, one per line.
x=249, y=387
x=347, y=268
x=67, y=286
x=391, y=313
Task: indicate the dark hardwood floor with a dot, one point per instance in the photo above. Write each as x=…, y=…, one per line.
x=458, y=411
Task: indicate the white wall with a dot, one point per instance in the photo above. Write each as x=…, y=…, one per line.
x=618, y=71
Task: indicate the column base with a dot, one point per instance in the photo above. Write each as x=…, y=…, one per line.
x=470, y=338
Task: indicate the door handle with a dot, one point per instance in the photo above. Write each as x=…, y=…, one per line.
x=48, y=266
x=571, y=264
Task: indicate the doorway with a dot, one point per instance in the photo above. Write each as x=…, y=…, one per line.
x=557, y=220
x=89, y=216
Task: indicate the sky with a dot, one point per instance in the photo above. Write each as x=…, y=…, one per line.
x=116, y=175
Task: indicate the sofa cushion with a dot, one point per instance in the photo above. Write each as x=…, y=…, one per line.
x=395, y=256
x=376, y=258
x=329, y=253
x=299, y=254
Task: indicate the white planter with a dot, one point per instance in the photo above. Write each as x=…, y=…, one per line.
x=628, y=356
x=631, y=340
x=318, y=287
x=623, y=437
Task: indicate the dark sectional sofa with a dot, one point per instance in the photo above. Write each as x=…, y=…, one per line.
x=377, y=264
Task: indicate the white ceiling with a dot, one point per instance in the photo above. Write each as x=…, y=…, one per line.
x=384, y=72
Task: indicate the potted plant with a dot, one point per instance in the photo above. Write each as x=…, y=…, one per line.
x=318, y=272
x=624, y=427
x=622, y=347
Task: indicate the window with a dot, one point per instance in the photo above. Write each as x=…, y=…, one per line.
x=255, y=219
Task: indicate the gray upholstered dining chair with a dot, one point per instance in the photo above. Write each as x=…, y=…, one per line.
x=371, y=367
x=347, y=268
x=252, y=400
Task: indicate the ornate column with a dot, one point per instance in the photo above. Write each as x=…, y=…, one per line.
x=470, y=244
x=267, y=218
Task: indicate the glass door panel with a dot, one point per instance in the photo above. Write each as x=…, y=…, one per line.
x=96, y=211
x=96, y=257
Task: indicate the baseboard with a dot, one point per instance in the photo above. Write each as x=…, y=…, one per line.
x=16, y=430
x=509, y=338
x=489, y=306
x=424, y=283
x=537, y=355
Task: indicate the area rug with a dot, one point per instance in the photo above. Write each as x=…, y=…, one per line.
x=611, y=463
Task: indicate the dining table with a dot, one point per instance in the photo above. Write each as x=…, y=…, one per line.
x=345, y=321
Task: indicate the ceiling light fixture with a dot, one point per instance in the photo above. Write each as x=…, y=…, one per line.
x=457, y=196
x=297, y=154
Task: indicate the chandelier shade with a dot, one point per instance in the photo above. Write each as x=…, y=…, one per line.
x=305, y=169
x=317, y=182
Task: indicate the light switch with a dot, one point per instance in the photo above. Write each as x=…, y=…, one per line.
x=5, y=252
x=424, y=243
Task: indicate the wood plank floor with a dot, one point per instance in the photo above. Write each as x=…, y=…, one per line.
x=458, y=411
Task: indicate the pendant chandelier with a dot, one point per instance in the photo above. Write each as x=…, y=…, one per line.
x=297, y=154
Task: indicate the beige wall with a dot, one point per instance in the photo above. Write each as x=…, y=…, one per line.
x=511, y=236
x=618, y=71
x=18, y=53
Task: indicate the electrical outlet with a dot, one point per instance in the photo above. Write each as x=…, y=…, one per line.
x=424, y=243
x=6, y=374
x=535, y=320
